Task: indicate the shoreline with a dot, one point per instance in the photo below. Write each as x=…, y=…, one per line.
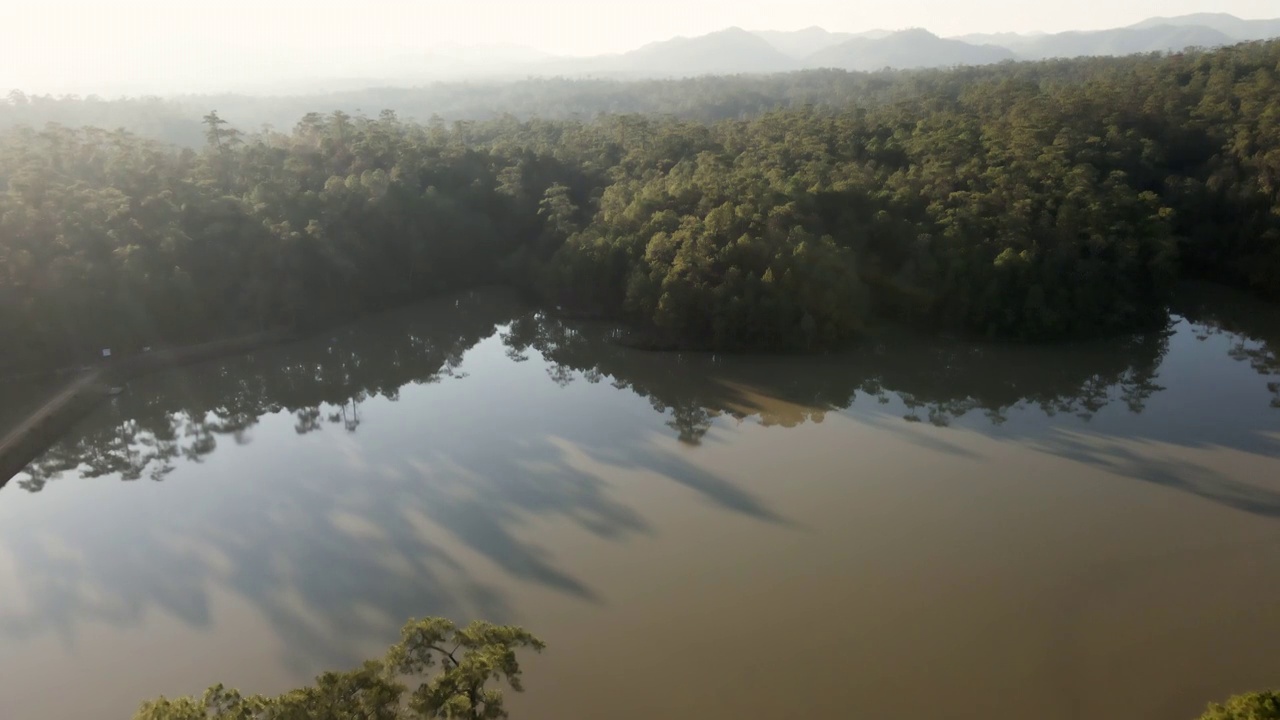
x=74, y=400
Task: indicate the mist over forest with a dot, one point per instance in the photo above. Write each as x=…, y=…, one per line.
x=892, y=325
x=249, y=61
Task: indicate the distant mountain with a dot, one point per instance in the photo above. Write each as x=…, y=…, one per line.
x=1010, y=40
x=1230, y=25
x=1124, y=41
x=906, y=49
x=721, y=53
x=803, y=43
x=224, y=66
x=737, y=51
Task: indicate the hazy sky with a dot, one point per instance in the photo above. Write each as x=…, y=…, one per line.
x=69, y=45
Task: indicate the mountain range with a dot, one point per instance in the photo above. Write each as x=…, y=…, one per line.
x=907, y=49
x=738, y=51
x=1230, y=25
x=730, y=51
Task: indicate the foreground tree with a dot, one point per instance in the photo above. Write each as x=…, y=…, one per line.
x=1253, y=706
x=468, y=660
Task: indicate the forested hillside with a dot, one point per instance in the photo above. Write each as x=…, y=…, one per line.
x=708, y=99
x=704, y=99
x=1036, y=201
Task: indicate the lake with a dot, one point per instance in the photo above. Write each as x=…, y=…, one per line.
x=916, y=527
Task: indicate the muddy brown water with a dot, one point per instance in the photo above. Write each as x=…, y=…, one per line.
x=914, y=528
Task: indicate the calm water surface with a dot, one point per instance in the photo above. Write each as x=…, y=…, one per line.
x=912, y=529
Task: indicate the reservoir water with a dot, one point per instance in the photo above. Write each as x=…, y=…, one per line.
x=913, y=528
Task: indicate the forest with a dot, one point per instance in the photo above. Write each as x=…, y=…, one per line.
x=1031, y=201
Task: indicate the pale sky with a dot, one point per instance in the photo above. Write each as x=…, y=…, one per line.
x=79, y=45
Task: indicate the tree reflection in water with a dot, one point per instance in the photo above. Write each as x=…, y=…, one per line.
x=326, y=380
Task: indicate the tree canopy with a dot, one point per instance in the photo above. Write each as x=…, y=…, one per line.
x=1252, y=706
x=461, y=664
x=1036, y=201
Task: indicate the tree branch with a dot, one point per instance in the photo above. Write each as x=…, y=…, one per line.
x=445, y=652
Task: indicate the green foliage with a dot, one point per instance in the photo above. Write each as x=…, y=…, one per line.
x=1253, y=706
x=481, y=652
x=464, y=660
x=1037, y=200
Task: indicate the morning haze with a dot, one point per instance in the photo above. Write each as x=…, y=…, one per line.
x=756, y=361
x=142, y=46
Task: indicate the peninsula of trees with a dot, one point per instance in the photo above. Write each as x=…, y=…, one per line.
x=1037, y=201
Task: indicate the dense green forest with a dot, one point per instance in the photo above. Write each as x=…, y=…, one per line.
x=1035, y=201
x=703, y=99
